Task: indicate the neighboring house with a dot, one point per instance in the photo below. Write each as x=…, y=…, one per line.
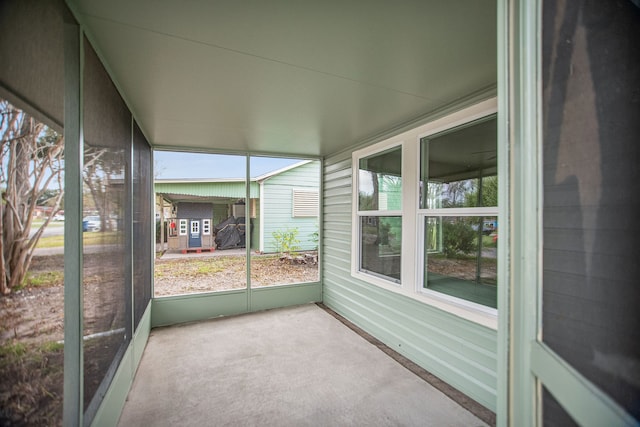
x=283, y=200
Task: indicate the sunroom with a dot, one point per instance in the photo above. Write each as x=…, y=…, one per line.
x=442, y=142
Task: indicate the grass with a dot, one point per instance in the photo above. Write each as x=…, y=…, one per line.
x=31, y=390
x=44, y=279
x=87, y=239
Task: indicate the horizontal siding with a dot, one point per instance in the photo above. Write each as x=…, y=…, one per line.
x=278, y=205
x=456, y=350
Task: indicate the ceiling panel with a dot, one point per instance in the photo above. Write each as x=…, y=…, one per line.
x=298, y=77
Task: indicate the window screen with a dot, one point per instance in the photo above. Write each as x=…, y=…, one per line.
x=591, y=73
x=107, y=262
x=142, y=217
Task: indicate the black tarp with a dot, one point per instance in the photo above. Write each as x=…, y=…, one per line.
x=230, y=233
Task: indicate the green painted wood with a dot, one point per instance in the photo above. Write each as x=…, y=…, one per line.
x=503, y=40
x=190, y=308
x=524, y=211
x=588, y=405
x=284, y=296
x=458, y=351
x=109, y=411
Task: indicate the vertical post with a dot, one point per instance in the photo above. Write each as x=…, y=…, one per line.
x=73, y=308
x=247, y=225
x=504, y=41
x=480, y=231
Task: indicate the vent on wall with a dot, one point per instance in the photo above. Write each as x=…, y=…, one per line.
x=305, y=203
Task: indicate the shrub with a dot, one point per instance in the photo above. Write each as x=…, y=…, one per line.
x=286, y=240
x=459, y=238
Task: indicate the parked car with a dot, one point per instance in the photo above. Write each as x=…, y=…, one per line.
x=91, y=223
x=58, y=217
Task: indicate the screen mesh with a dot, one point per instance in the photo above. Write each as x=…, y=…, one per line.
x=106, y=258
x=591, y=69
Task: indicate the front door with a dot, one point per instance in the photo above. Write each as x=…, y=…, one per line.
x=195, y=236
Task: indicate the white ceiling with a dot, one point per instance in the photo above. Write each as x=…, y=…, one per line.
x=299, y=77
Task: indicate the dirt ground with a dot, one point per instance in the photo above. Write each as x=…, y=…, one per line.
x=220, y=273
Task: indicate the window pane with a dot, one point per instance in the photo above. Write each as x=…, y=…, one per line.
x=380, y=181
x=201, y=198
x=380, y=245
x=461, y=257
x=460, y=168
x=284, y=215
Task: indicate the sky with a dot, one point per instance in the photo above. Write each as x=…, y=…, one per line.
x=178, y=165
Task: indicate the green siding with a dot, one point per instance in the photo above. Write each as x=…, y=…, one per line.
x=459, y=352
x=278, y=205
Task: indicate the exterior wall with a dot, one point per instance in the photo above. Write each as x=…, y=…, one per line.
x=460, y=352
x=278, y=205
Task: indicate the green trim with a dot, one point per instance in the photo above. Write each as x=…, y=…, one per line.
x=167, y=311
x=284, y=296
x=73, y=358
x=113, y=402
x=587, y=404
x=173, y=310
x=502, y=355
x=526, y=218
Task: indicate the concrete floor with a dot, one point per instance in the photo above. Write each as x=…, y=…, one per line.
x=296, y=366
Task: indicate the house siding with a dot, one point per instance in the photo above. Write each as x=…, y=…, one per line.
x=278, y=205
x=460, y=352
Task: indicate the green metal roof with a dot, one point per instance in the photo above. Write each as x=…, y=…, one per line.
x=226, y=189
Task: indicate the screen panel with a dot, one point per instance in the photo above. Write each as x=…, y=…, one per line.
x=591, y=65
x=142, y=217
x=106, y=252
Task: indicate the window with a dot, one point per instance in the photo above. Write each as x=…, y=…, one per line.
x=380, y=214
x=183, y=227
x=206, y=227
x=305, y=203
x=425, y=215
x=458, y=210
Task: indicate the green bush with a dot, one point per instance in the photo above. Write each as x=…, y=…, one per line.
x=459, y=238
x=286, y=240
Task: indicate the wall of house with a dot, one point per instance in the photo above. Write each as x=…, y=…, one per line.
x=458, y=351
x=278, y=205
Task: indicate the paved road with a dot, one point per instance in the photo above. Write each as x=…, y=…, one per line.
x=54, y=229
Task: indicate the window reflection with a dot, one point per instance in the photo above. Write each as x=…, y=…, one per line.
x=380, y=181
x=381, y=245
x=461, y=257
x=459, y=168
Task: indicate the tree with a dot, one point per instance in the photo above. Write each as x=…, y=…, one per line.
x=31, y=163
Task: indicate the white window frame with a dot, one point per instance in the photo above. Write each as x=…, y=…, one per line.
x=356, y=252
x=184, y=226
x=206, y=227
x=412, y=252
